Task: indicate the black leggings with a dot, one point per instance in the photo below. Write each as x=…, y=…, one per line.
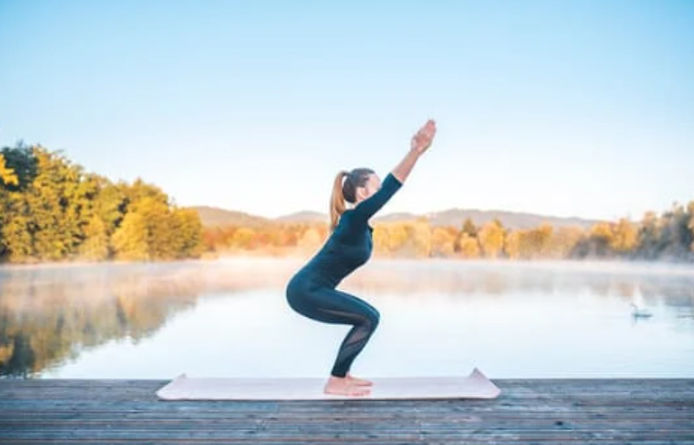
x=324, y=303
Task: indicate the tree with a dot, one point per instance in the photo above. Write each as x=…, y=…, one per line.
x=130, y=239
x=469, y=227
x=96, y=244
x=189, y=230
x=55, y=199
x=468, y=246
x=624, y=236
x=491, y=238
x=7, y=174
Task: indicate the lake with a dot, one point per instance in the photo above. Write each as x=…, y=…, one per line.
x=229, y=317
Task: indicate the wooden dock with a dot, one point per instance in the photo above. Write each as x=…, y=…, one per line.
x=538, y=411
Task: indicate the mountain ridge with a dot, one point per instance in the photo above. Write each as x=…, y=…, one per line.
x=217, y=216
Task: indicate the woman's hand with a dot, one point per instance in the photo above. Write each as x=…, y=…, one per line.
x=420, y=143
x=422, y=139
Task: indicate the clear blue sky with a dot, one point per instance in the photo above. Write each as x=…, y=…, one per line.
x=565, y=108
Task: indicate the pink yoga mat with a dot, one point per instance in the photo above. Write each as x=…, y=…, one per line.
x=474, y=386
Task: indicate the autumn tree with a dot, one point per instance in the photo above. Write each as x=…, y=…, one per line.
x=491, y=238
x=624, y=236
x=52, y=209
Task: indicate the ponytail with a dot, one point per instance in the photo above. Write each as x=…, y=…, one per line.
x=337, y=200
x=345, y=191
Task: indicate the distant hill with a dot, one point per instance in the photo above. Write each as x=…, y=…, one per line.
x=304, y=216
x=514, y=220
x=215, y=216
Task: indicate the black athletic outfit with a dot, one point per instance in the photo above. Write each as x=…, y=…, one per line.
x=311, y=291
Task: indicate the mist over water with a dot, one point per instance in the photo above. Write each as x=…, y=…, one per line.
x=229, y=317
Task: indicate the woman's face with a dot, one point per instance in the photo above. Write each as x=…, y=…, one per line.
x=372, y=185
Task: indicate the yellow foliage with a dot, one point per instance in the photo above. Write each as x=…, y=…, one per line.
x=491, y=239
x=242, y=237
x=624, y=236
x=601, y=230
x=469, y=246
x=512, y=244
x=7, y=174
x=442, y=242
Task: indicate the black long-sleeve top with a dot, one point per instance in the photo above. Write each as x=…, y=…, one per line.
x=350, y=244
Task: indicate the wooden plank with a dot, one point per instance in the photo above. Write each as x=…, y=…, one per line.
x=358, y=436
x=599, y=411
x=68, y=414
x=373, y=441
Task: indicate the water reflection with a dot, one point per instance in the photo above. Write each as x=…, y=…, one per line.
x=54, y=319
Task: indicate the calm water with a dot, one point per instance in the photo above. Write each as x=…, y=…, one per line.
x=438, y=317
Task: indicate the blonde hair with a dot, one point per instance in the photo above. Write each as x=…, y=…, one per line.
x=346, y=191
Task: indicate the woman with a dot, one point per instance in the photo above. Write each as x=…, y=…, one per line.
x=311, y=291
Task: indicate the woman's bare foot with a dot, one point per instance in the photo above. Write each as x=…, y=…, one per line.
x=358, y=381
x=344, y=386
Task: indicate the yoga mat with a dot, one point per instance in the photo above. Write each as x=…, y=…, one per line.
x=474, y=386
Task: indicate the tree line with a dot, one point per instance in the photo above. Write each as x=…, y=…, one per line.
x=668, y=236
x=52, y=209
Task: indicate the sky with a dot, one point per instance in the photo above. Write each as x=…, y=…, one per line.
x=562, y=108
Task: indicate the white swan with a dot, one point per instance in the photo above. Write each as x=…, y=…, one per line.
x=637, y=303
x=640, y=312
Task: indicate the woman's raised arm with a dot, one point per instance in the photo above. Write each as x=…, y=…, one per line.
x=366, y=209
x=394, y=180
x=421, y=141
